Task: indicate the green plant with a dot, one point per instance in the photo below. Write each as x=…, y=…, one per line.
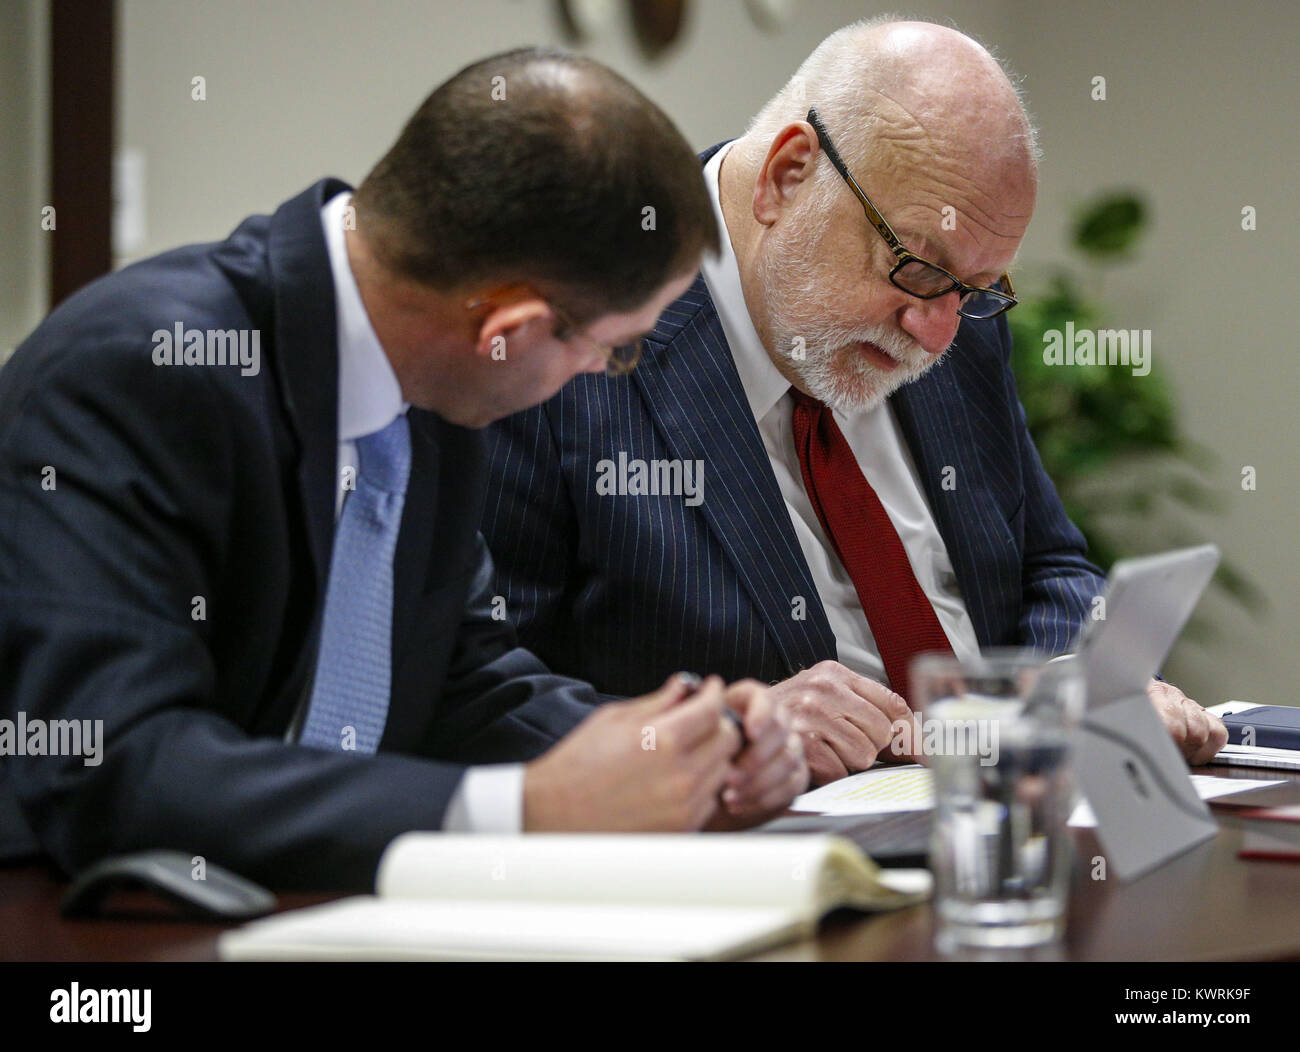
x=1109, y=439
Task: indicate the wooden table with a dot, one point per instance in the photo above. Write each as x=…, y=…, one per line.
x=1205, y=905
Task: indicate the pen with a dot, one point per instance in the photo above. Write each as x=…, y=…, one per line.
x=693, y=683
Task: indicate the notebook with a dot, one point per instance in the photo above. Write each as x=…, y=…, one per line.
x=1265, y=726
x=1267, y=848
x=898, y=839
x=583, y=897
x=1264, y=744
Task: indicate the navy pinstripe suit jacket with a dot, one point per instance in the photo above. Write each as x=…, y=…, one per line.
x=624, y=590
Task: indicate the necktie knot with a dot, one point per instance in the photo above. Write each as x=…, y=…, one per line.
x=806, y=402
x=384, y=457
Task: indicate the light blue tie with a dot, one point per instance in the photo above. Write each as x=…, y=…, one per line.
x=349, y=700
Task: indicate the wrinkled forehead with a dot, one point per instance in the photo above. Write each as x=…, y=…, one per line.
x=949, y=194
x=955, y=143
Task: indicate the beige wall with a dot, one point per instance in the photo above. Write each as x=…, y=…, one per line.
x=23, y=168
x=290, y=99
x=1200, y=116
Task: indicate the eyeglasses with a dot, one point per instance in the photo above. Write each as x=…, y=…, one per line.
x=914, y=275
x=619, y=360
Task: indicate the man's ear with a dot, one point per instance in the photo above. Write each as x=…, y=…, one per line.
x=791, y=159
x=507, y=324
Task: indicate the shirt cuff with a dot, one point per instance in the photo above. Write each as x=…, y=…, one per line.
x=489, y=799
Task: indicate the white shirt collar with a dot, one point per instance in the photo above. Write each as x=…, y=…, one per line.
x=762, y=380
x=369, y=396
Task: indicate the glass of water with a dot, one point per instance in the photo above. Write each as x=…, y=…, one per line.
x=997, y=732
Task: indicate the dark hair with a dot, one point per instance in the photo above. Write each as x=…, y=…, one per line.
x=548, y=185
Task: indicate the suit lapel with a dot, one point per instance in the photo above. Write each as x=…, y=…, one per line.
x=306, y=333
x=694, y=395
x=306, y=359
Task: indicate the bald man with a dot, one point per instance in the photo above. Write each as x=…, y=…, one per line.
x=821, y=467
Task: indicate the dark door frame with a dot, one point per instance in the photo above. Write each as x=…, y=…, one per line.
x=81, y=142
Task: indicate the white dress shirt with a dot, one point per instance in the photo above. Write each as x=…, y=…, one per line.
x=489, y=799
x=881, y=453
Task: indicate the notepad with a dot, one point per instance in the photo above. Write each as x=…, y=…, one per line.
x=885, y=790
x=1258, y=756
x=878, y=791
x=1262, y=846
x=583, y=897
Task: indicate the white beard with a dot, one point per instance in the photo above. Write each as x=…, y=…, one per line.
x=819, y=352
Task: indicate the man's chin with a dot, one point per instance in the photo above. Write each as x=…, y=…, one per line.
x=858, y=387
x=849, y=394
x=855, y=403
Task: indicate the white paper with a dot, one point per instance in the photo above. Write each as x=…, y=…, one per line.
x=1229, y=708
x=371, y=929
x=879, y=791
x=616, y=868
x=1208, y=786
x=1258, y=756
x=887, y=790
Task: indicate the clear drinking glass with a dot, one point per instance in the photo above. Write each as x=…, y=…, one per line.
x=997, y=732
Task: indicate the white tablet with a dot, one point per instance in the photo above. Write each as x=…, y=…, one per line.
x=1129, y=768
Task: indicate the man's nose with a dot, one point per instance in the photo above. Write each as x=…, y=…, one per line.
x=932, y=323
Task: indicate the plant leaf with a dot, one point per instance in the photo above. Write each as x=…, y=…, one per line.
x=1111, y=225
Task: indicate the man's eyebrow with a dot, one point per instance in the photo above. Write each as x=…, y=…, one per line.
x=934, y=252
x=924, y=245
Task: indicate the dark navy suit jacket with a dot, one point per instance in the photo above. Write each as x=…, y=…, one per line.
x=177, y=482
x=623, y=590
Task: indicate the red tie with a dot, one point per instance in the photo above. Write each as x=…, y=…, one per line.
x=900, y=615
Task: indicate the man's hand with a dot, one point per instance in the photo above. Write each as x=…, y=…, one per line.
x=1198, y=733
x=770, y=771
x=844, y=720
x=653, y=764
